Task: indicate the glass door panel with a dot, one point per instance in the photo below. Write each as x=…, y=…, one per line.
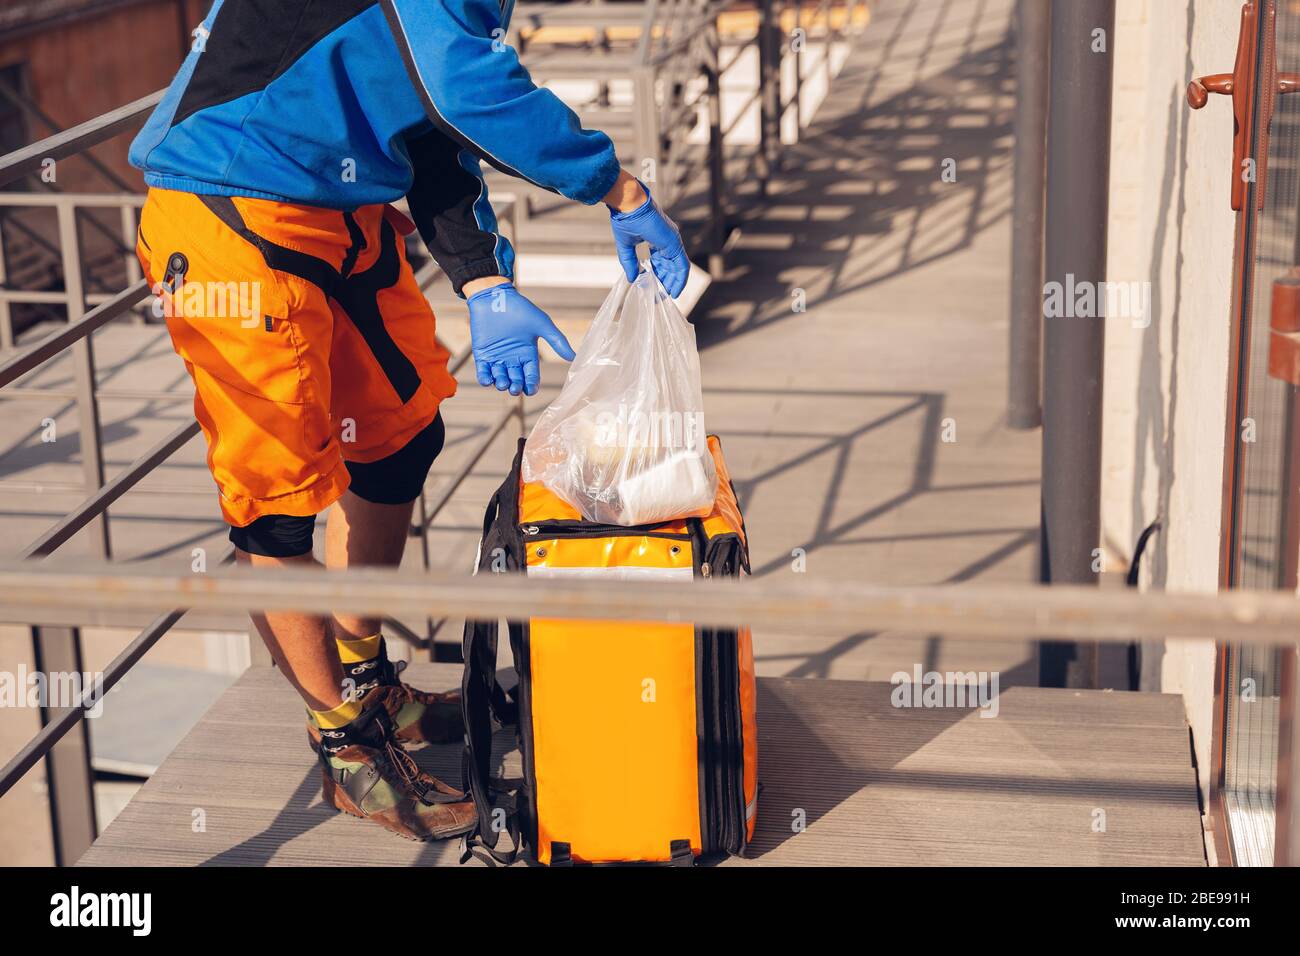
x=1261, y=516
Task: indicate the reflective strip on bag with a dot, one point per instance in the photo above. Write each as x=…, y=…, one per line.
x=613, y=573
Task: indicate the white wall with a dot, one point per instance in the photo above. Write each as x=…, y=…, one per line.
x=1165, y=385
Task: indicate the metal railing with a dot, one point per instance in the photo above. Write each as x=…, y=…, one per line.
x=51, y=597
x=680, y=62
x=965, y=613
x=672, y=55
x=678, y=83
x=62, y=642
x=77, y=336
x=68, y=249
x=969, y=612
x=32, y=247
x=678, y=78
x=808, y=22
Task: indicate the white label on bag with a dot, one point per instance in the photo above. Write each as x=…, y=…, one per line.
x=614, y=573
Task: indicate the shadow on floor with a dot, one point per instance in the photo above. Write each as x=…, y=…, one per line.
x=861, y=198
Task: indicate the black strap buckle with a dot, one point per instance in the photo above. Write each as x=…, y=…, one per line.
x=474, y=841
x=680, y=854
x=560, y=854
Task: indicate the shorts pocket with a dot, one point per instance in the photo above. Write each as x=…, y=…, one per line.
x=228, y=315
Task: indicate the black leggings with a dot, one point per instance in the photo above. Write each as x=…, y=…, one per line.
x=394, y=480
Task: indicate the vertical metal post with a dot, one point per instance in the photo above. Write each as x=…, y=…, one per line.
x=717, y=176
x=6, y=319
x=1078, y=171
x=1033, y=33
x=422, y=517
x=798, y=67
x=1286, y=843
x=1287, y=826
x=602, y=88
x=71, y=783
x=129, y=261
x=258, y=655
x=83, y=359
x=128, y=225
x=646, y=120
x=520, y=412
x=769, y=101
x=834, y=35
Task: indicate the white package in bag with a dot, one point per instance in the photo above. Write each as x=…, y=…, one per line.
x=624, y=442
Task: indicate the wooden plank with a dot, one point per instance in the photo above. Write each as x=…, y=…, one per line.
x=875, y=784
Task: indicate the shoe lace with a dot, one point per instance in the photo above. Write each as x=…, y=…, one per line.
x=398, y=760
x=397, y=668
x=404, y=764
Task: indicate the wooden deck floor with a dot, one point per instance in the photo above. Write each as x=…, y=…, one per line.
x=875, y=785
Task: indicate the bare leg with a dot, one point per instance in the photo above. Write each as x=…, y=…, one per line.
x=359, y=533
x=302, y=644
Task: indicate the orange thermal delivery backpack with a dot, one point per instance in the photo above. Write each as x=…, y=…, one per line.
x=639, y=741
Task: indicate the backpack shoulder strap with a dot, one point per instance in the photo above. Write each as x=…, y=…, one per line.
x=482, y=698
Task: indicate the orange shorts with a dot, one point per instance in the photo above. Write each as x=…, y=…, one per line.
x=306, y=335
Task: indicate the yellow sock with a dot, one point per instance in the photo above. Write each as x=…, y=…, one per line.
x=362, y=649
x=344, y=713
x=350, y=652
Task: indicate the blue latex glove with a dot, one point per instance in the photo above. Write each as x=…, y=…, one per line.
x=647, y=223
x=503, y=332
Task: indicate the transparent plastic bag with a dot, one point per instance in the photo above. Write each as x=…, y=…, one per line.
x=624, y=442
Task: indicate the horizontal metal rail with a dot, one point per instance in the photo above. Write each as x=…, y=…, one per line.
x=71, y=141
x=51, y=733
x=33, y=393
x=79, y=487
x=47, y=348
x=966, y=612
x=54, y=343
x=35, y=112
x=80, y=200
x=54, y=731
x=41, y=297
x=63, y=338
x=121, y=483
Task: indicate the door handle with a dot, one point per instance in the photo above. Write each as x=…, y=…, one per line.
x=1240, y=86
x=1284, y=329
x=1199, y=90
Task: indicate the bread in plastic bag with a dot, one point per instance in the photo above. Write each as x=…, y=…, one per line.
x=624, y=442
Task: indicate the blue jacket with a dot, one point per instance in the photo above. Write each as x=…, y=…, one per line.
x=345, y=103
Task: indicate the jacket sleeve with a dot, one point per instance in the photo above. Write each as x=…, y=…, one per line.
x=475, y=91
x=448, y=200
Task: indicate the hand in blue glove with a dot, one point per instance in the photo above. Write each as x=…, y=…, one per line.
x=503, y=331
x=647, y=223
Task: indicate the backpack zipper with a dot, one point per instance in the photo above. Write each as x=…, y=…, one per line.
x=589, y=530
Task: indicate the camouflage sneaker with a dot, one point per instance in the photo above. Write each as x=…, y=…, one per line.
x=418, y=716
x=366, y=773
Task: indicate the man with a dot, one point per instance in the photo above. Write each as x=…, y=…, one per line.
x=271, y=160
